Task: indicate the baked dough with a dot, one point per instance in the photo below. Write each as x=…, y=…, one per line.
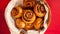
x=16, y=12
x=20, y=24
x=29, y=3
x=39, y=10
x=37, y=23
x=28, y=16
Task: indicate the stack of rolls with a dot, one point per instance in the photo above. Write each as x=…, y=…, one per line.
x=27, y=18
x=30, y=16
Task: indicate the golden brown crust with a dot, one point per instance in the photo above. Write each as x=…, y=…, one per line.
x=17, y=10
x=13, y=12
x=28, y=26
x=31, y=19
x=29, y=3
x=28, y=16
x=39, y=10
x=37, y=23
x=20, y=24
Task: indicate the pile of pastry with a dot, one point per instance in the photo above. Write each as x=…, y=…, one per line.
x=30, y=16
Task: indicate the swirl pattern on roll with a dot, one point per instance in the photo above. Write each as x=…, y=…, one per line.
x=28, y=16
x=29, y=3
x=39, y=10
x=16, y=12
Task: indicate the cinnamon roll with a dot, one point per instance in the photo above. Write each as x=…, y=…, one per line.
x=20, y=24
x=28, y=26
x=16, y=12
x=37, y=23
x=29, y=3
x=39, y=10
x=28, y=16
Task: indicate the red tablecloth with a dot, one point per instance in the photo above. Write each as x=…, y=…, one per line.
x=54, y=27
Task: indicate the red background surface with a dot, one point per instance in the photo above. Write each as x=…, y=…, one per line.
x=54, y=27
